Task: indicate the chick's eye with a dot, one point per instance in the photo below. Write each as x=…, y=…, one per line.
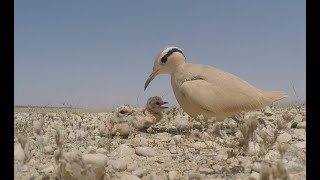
x=122, y=112
x=157, y=103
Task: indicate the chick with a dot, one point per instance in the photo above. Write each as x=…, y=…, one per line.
x=121, y=123
x=150, y=115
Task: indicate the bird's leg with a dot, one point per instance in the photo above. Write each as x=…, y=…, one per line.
x=204, y=124
x=238, y=118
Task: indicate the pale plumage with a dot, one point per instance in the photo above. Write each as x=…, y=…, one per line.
x=206, y=90
x=150, y=115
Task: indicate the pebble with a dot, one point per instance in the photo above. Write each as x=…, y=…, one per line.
x=284, y=138
x=302, y=125
x=130, y=177
x=19, y=153
x=254, y=176
x=295, y=167
x=254, y=148
x=140, y=141
x=145, y=151
x=49, y=149
x=181, y=122
x=140, y=172
x=298, y=118
x=122, y=151
x=199, y=145
x=90, y=149
x=164, y=137
x=119, y=164
x=102, y=151
x=300, y=131
x=47, y=169
x=177, y=139
x=132, y=166
x=301, y=144
x=206, y=170
x=172, y=175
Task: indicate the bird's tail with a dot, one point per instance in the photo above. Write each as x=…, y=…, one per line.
x=276, y=95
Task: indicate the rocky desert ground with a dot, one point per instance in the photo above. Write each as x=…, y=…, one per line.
x=82, y=144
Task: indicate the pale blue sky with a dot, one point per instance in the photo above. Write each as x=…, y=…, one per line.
x=100, y=53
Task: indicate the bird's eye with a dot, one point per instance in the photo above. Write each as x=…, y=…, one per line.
x=157, y=103
x=164, y=59
x=122, y=112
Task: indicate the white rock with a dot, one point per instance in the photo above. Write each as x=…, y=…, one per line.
x=145, y=151
x=177, y=138
x=302, y=137
x=130, y=177
x=206, y=170
x=283, y=138
x=132, y=166
x=119, y=164
x=97, y=162
x=140, y=172
x=72, y=136
x=24, y=168
x=272, y=155
x=199, y=145
x=19, y=152
x=254, y=148
x=45, y=140
x=300, y=131
x=47, y=169
x=164, y=137
x=122, y=151
x=181, y=122
x=256, y=167
x=49, y=149
x=254, y=176
x=90, y=149
x=298, y=118
x=301, y=144
x=102, y=151
x=302, y=125
x=95, y=159
x=172, y=175
x=295, y=167
x=97, y=138
x=140, y=141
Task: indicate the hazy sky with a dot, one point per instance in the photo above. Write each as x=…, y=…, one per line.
x=100, y=53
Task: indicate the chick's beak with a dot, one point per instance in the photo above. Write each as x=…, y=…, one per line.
x=163, y=104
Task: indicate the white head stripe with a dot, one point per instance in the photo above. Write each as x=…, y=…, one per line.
x=164, y=52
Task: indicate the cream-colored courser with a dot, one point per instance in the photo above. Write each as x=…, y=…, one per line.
x=202, y=89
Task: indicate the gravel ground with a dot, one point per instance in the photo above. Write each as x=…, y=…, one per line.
x=79, y=144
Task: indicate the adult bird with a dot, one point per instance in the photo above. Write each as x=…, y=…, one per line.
x=209, y=91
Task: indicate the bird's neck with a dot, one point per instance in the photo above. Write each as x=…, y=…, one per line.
x=158, y=115
x=177, y=60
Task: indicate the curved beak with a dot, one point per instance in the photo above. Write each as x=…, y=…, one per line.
x=151, y=77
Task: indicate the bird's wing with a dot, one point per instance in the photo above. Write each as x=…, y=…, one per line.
x=220, y=99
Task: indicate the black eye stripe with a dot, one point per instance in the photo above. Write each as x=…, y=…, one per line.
x=165, y=57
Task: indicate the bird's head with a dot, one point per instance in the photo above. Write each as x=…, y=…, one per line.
x=166, y=62
x=124, y=110
x=155, y=104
